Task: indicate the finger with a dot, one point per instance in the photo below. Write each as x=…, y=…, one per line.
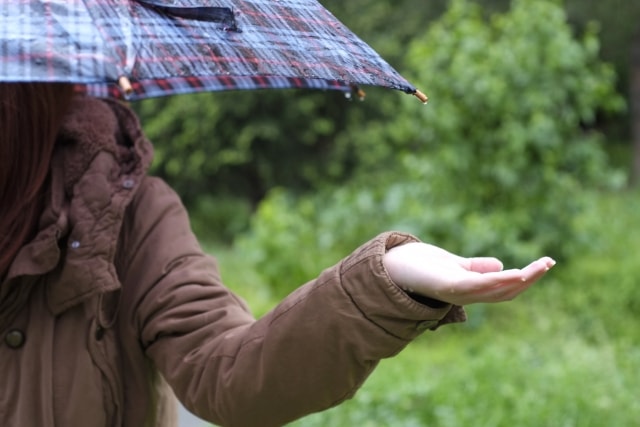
x=477, y=264
x=512, y=283
x=491, y=281
x=492, y=291
x=483, y=264
x=536, y=269
x=496, y=278
x=506, y=292
x=531, y=272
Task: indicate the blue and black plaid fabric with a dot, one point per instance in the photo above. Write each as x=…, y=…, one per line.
x=166, y=47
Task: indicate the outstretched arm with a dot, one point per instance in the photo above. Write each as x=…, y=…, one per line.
x=312, y=351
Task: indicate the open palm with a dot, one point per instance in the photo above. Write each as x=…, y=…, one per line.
x=436, y=273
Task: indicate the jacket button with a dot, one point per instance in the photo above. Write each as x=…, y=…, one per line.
x=14, y=338
x=128, y=183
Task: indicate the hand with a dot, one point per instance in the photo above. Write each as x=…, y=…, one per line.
x=435, y=273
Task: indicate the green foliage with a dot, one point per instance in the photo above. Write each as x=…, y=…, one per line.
x=242, y=144
x=620, y=23
x=600, y=286
x=386, y=25
x=507, y=137
x=246, y=143
x=496, y=164
x=563, y=354
x=497, y=379
x=220, y=218
x=531, y=362
x=291, y=239
x=232, y=143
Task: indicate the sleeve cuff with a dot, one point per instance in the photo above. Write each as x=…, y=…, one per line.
x=365, y=279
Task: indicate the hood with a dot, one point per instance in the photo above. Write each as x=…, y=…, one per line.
x=100, y=157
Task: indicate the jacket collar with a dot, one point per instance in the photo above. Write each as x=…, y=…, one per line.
x=100, y=159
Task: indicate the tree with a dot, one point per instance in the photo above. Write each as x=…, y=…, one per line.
x=242, y=144
x=499, y=162
x=634, y=84
x=511, y=129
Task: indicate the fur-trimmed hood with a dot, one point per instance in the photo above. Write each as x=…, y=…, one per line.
x=100, y=157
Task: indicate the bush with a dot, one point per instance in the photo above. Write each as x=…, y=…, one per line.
x=292, y=239
x=508, y=135
x=563, y=354
x=219, y=218
x=496, y=164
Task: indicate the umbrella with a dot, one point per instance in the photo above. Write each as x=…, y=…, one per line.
x=134, y=49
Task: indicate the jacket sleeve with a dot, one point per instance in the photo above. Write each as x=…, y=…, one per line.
x=309, y=353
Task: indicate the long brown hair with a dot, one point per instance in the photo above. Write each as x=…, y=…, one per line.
x=30, y=116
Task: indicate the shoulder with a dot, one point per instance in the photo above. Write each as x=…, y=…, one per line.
x=155, y=197
x=154, y=205
x=156, y=222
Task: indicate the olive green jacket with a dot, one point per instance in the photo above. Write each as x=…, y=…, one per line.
x=113, y=309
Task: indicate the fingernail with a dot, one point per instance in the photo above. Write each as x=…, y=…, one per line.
x=550, y=263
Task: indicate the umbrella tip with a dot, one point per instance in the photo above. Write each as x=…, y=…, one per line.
x=125, y=85
x=421, y=96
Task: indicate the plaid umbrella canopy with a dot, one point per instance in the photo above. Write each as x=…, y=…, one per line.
x=134, y=49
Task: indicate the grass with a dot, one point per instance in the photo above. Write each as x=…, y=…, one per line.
x=537, y=374
x=565, y=354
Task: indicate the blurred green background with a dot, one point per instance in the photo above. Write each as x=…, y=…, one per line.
x=529, y=146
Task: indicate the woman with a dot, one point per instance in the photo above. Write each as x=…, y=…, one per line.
x=108, y=305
